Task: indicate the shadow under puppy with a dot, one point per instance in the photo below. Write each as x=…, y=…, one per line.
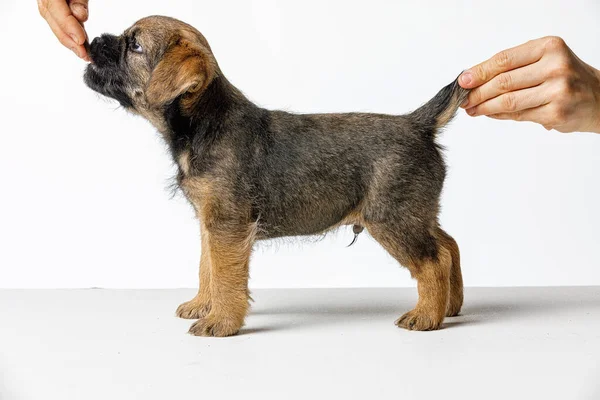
x=253, y=174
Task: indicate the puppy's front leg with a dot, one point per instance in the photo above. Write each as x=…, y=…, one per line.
x=229, y=250
x=199, y=306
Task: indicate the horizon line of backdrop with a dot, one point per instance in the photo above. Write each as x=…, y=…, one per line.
x=85, y=199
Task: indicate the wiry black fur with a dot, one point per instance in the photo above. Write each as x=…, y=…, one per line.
x=106, y=75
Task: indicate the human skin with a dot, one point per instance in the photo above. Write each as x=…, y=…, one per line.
x=66, y=19
x=541, y=81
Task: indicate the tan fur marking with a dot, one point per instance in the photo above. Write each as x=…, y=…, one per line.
x=455, y=300
x=433, y=284
x=200, y=305
x=182, y=69
x=229, y=262
x=227, y=244
x=184, y=162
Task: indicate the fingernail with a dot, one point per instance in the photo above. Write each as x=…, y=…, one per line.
x=466, y=78
x=471, y=111
x=464, y=103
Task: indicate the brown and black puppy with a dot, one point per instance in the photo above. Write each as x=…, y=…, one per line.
x=255, y=174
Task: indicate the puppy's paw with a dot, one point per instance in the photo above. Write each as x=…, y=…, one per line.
x=453, y=309
x=193, y=309
x=213, y=325
x=418, y=320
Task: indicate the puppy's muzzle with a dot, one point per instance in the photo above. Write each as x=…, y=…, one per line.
x=105, y=51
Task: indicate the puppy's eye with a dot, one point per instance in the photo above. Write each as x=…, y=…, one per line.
x=136, y=47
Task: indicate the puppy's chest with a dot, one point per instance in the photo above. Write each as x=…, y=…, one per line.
x=199, y=186
x=193, y=186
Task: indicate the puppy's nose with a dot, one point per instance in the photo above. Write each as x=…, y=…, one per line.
x=104, y=50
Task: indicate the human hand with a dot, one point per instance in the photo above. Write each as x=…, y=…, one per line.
x=66, y=18
x=541, y=81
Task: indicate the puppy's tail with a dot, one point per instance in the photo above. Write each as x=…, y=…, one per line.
x=440, y=110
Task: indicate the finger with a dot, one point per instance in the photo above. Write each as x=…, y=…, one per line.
x=85, y=44
x=62, y=36
x=79, y=8
x=540, y=115
x=82, y=49
x=506, y=60
x=61, y=13
x=65, y=39
x=520, y=78
x=512, y=102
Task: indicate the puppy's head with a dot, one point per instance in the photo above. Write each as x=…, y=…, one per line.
x=152, y=63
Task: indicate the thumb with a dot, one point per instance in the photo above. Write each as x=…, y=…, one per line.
x=79, y=8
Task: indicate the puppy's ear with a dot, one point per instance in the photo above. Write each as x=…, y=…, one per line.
x=184, y=68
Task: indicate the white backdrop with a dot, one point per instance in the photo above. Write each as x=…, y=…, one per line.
x=84, y=199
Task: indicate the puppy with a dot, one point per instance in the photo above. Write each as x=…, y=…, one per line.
x=254, y=174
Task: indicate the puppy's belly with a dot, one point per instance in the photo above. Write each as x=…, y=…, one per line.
x=304, y=219
x=307, y=200
x=302, y=229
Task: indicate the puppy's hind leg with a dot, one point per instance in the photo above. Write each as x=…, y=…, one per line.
x=429, y=262
x=455, y=300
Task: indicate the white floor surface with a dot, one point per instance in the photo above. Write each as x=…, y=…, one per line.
x=509, y=343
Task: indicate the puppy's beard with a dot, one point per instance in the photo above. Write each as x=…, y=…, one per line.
x=107, y=82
